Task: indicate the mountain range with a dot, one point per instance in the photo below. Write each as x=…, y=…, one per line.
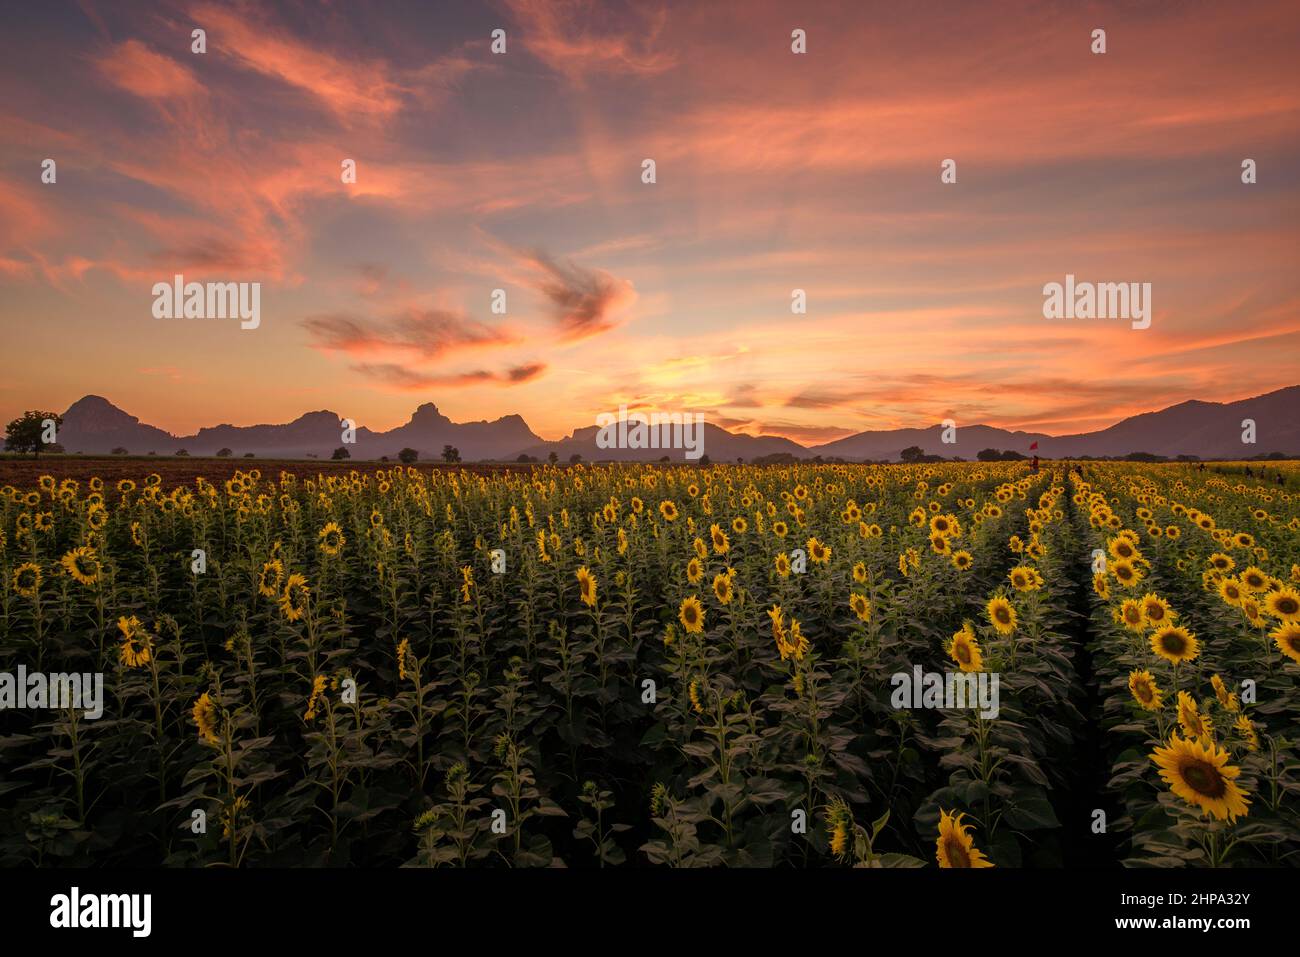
x=1205, y=429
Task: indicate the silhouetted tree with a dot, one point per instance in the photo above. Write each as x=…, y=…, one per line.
x=340, y=453
x=27, y=434
x=450, y=454
x=224, y=453
x=408, y=456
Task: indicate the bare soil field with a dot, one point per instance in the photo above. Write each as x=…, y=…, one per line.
x=23, y=471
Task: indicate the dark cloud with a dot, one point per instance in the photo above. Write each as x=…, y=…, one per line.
x=583, y=300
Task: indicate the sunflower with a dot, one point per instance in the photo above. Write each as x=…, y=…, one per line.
x=668, y=510
x=586, y=586
x=331, y=540
x=205, y=715
x=1156, y=611
x=272, y=574
x=317, y=689
x=27, y=579
x=1283, y=604
x=1231, y=591
x=1144, y=690
x=1221, y=562
x=739, y=525
x=818, y=553
x=860, y=605
x=1199, y=773
x=137, y=644
x=1024, y=578
x=293, y=601
x=1001, y=614
x=1125, y=572
x=796, y=643
x=1175, y=644
x=1246, y=728
x=962, y=560
x=782, y=564
x=404, y=655
x=965, y=650
x=1253, y=612
x=722, y=587
x=82, y=565
x=720, y=543
x=1101, y=585
x=778, y=630
x=838, y=821
x=860, y=573
x=97, y=518
x=1254, y=579
x=694, y=571
x=701, y=549
x=955, y=847
x=1226, y=698
x=941, y=525
x=43, y=522
x=693, y=692
x=1122, y=548
x=691, y=615
x=1287, y=638
x=1194, y=724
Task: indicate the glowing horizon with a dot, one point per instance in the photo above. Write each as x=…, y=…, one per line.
x=522, y=171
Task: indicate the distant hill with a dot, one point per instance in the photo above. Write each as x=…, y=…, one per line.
x=1205, y=429
x=971, y=440
x=719, y=445
x=94, y=424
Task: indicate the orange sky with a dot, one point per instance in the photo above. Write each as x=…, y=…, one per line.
x=775, y=171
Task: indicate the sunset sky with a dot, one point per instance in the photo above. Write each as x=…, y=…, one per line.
x=775, y=171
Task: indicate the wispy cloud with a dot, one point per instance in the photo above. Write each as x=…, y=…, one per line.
x=428, y=334
x=404, y=379
x=584, y=302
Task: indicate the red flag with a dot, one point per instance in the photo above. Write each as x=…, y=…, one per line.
x=1032, y=446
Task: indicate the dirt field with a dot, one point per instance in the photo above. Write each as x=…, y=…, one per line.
x=23, y=472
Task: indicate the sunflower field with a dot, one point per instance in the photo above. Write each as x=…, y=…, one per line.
x=656, y=666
